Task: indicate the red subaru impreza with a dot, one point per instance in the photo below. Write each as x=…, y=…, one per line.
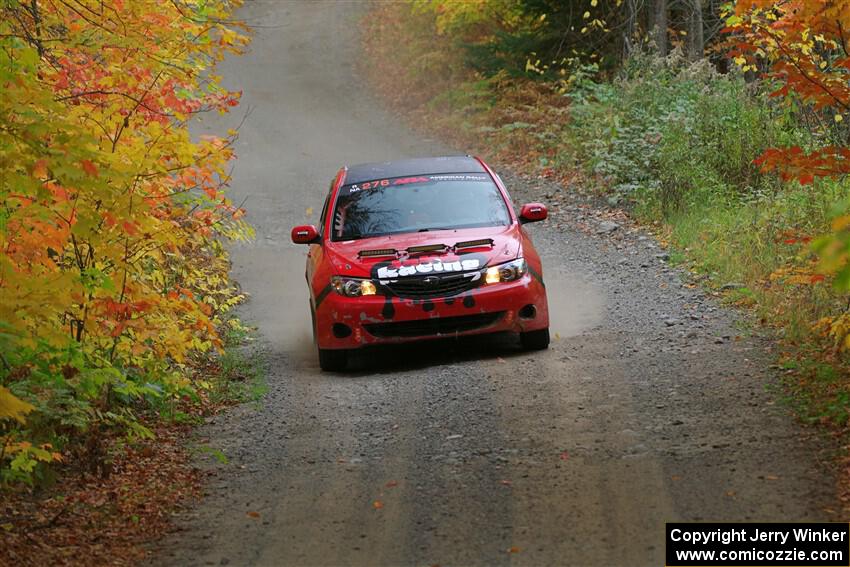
x=421, y=249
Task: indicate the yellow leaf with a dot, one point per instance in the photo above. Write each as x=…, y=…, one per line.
x=11, y=407
x=841, y=223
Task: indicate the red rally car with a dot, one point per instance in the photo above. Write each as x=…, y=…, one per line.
x=421, y=249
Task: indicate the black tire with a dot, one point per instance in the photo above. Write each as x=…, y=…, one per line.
x=333, y=360
x=535, y=340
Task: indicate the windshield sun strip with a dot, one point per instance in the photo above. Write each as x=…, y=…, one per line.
x=407, y=180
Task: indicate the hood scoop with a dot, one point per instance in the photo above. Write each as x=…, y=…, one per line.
x=474, y=244
x=378, y=252
x=424, y=249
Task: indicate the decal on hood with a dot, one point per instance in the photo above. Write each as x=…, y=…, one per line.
x=385, y=273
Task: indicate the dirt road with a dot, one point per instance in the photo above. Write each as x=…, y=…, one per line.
x=645, y=409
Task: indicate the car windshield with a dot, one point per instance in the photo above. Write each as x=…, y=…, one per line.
x=417, y=204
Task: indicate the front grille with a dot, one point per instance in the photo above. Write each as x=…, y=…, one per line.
x=429, y=287
x=434, y=326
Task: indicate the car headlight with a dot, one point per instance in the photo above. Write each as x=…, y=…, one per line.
x=507, y=272
x=352, y=287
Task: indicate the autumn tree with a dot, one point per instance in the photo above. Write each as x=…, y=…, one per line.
x=803, y=47
x=112, y=270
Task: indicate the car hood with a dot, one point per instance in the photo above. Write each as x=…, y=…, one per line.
x=468, y=248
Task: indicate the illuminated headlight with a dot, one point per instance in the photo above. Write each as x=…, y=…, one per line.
x=507, y=272
x=352, y=287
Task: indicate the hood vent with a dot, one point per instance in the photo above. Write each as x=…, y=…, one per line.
x=474, y=243
x=427, y=248
x=378, y=252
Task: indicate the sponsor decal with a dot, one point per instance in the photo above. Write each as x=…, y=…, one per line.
x=379, y=183
x=429, y=272
x=456, y=177
x=408, y=180
x=386, y=273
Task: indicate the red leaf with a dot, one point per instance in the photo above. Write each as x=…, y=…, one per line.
x=89, y=167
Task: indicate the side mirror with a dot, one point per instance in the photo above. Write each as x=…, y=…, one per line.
x=305, y=234
x=533, y=212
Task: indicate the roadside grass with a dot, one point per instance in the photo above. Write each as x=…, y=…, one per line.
x=240, y=373
x=240, y=379
x=671, y=142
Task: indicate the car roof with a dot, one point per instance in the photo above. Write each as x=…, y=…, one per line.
x=415, y=166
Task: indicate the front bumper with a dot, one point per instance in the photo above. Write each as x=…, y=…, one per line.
x=352, y=322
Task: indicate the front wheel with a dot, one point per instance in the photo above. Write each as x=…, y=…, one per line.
x=535, y=340
x=333, y=360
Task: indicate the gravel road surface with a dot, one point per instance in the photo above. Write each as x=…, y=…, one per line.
x=647, y=408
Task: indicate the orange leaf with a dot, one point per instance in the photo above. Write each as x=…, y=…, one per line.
x=377, y=504
x=39, y=170
x=89, y=167
x=253, y=514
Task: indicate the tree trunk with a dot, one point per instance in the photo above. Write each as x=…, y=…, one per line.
x=696, y=37
x=659, y=25
x=631, y=27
